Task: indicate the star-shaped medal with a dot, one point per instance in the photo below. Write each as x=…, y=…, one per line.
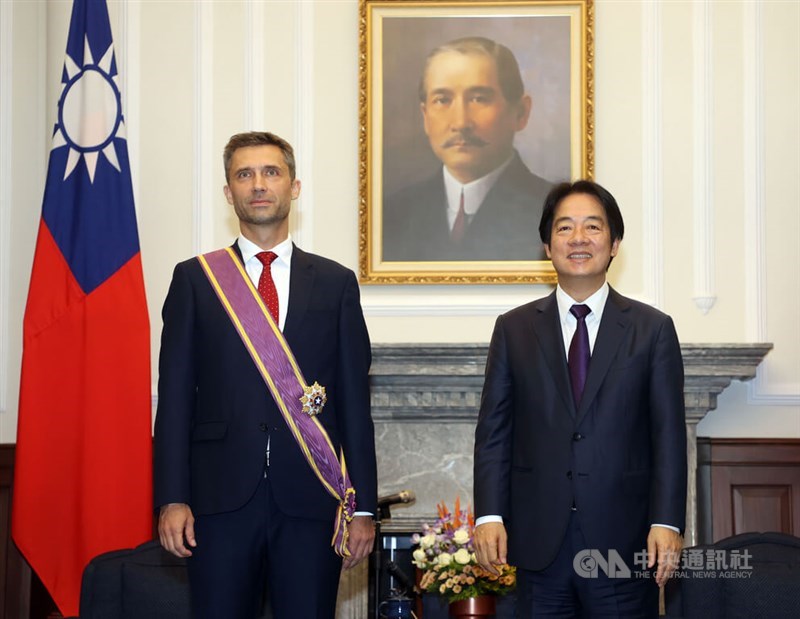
x=313, y=399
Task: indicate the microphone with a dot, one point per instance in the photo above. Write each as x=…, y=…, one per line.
x=403, y=578
x=404, y=496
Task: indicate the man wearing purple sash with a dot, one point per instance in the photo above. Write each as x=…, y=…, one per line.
x=264, y=445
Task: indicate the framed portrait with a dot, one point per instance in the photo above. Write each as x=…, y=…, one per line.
x=470, y=111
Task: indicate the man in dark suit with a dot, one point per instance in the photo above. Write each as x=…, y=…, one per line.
x=580, y=444
x=236, y=494
x=484, y=204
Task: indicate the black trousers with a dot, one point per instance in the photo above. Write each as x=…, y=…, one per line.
x=565, y=590
x=257, y=548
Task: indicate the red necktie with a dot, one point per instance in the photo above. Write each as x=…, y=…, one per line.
x=460, y=224
x=266, y=287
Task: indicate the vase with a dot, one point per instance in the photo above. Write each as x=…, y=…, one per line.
x=481, y=606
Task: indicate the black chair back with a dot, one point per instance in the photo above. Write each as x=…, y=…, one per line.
x=145, y=581
x=755, y=575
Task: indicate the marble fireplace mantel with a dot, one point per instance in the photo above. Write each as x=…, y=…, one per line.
x=425, y=400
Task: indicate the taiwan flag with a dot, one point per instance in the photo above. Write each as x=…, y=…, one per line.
x=82, y=476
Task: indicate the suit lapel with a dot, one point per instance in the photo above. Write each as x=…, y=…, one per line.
x=502, y=196
x=547, y=331
x=237, y=251
x=301, y=282
x=437, y=214
x=613, y=326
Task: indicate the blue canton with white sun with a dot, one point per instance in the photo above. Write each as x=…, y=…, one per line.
x=88, y=202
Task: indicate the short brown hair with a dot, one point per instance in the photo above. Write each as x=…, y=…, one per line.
x=508, y=75
x=257, y=138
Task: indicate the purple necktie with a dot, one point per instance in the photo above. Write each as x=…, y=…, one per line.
x=579, y=353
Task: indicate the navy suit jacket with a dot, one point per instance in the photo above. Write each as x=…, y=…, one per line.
x=506, y=227
x=620, y=457
x=215, y=411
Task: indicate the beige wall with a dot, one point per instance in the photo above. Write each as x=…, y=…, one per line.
x=697, y=134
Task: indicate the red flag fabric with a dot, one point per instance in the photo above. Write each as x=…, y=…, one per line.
x=83, y=469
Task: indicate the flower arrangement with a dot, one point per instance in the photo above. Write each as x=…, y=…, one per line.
x=446, y=556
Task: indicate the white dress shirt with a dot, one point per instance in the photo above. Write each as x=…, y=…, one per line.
x=474, y=192
x=280, y=268
x=596, y=303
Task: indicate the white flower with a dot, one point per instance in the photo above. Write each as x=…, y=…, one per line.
x=445, y=558
x=420, y=560
x=427, y=541
x=461, y=537
x=462, y=556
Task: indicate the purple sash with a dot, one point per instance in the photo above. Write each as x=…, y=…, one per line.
x=277, y=365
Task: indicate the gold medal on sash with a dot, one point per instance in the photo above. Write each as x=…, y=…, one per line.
x=313, y=399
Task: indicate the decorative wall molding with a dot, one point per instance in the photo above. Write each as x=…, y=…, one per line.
x=754, y=168
x=203, y=189
x=449, y=302
x=128, y=36
x=6, y=180
x=439, y=303
x=704, y=262
x=305, y=20
x=254, y=80
x=44, y=137
x=652, y=152
x=760, y=391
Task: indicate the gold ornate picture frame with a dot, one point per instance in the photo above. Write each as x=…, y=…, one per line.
x=410, y=69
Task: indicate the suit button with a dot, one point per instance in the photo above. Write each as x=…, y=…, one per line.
x=262, y=427
x=569, y=474
x=577, y=436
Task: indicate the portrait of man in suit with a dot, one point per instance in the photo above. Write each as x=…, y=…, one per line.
x=482, y=203
x=580, y=443
x=250, y=479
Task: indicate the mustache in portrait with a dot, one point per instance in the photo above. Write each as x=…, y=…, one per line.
x=464, y=139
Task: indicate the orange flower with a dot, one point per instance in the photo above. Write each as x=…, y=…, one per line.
x=449, y=535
